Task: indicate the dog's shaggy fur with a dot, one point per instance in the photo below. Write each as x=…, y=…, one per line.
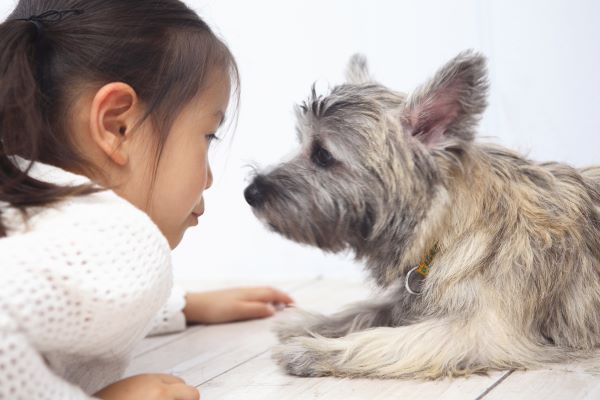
x=516, y=279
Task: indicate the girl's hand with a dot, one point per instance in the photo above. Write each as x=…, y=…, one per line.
x=149, y=387
x=233, y=304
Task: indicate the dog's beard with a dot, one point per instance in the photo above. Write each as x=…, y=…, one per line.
x=300, y=227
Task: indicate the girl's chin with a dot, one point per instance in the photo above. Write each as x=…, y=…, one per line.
x=194, y=219
x=191, y=220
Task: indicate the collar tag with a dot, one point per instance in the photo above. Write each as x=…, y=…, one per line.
x=413, y=282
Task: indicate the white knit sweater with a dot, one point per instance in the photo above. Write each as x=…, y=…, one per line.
x=81, y=284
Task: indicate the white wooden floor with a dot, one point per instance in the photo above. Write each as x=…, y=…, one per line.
x=232, y=361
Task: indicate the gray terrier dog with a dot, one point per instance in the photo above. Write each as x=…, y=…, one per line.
x=489, y=260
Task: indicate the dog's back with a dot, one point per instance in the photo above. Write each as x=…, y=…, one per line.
x=592, y=175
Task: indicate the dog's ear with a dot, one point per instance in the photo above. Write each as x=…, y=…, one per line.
x=449, y=105
x=357, y=71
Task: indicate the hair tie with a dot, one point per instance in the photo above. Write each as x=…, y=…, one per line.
x=50, y=16
x=38, y=21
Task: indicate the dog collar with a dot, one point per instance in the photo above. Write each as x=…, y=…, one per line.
x=414, y=277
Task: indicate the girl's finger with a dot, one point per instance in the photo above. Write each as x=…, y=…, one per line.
x=269, y=295
x=166, y=378
x=184, y=392
x=249, y=310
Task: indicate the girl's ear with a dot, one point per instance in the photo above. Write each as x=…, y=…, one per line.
x=113, y=114
x=449, y=105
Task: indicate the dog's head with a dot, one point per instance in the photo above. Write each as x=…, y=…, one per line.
x=367, y=165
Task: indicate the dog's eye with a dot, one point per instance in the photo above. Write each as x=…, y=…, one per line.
x=322, y=157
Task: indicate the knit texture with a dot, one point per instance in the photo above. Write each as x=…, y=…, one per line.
x=81, y=283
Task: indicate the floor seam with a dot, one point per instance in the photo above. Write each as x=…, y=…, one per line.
x=494, y=385
x=234, y=367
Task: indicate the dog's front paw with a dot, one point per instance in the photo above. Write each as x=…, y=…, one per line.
x=287, y=330
x=294, y=323
x=297, y=357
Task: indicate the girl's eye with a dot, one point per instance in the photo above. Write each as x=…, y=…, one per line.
x=322, y=157
x=212, y=137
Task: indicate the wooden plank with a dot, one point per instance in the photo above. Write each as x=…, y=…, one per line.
x=558, y=383
x=260, y=378
x=156, y=342
x=206, y=351
x=233, y=360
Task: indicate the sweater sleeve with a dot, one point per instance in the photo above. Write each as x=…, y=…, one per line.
x=23, y=372
x=170, y=318
x=78, y=291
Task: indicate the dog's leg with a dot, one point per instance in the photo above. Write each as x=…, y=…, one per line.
x=428, y=349
x=399, y=309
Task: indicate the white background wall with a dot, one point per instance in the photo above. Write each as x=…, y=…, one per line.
x=544, y=62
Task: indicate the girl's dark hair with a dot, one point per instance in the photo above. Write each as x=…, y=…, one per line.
x=161, y=48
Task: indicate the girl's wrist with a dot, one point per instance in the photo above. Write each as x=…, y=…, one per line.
x=195, y=307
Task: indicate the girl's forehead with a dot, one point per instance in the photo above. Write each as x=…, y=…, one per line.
x=215, y=92
x=210, y=103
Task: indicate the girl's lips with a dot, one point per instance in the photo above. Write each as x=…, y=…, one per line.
x=195, y=218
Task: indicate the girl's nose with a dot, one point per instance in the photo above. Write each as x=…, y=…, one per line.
x=209, y=177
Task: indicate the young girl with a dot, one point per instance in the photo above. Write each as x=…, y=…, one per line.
x=107, y=110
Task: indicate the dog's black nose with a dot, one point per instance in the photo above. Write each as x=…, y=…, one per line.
x=255, y=193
